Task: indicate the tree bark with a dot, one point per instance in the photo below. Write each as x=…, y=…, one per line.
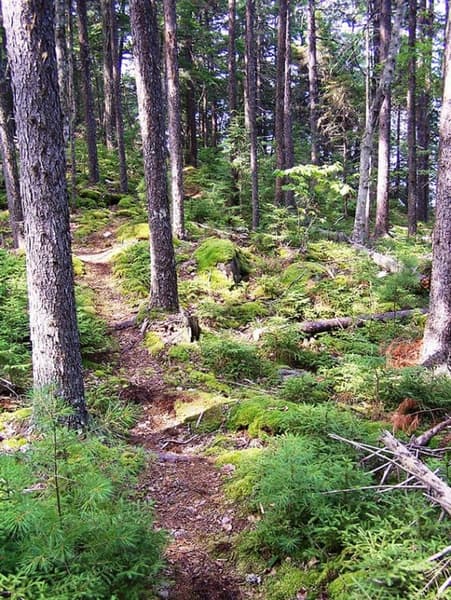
x=287, y=116
x=436, y=350
x=426, y=21
x=411, y=123
x=88, y=98
x=280, y=93
x=359, y=234
x=383, y=163
x=251, y=109
x=174, y=118
x=72, y=105
x=163, y=278
x=8, y=151
x=232, y=99
x=190, y=106
x=62, y=62
x=53, y=326
x=313, y=82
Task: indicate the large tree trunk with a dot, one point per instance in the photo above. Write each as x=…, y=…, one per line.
x=436, y=351
x=88, y=98
x=280, y=92
x=411, y=123
x=174, y=118
x=426, y=21
x=313, y=82
x=383, y=163
x=8, y=152
x=359, y=234
x=53, y=325
x=251, y=109
x=163, y=278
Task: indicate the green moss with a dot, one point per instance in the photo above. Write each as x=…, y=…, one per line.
x=13, y=443
x=205, y=411
x=153, y=343
x=180, y=352
x=79, y=267
x=90, y=193
x=289, y=579
x=139, y=231
x=214, y=251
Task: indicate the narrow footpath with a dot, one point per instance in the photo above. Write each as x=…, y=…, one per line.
x=186, y=486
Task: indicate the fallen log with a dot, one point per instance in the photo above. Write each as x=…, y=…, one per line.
x=313, y=327
x=438, y=490
x=426, y=437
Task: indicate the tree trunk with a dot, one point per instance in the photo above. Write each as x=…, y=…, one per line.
x=359, y=234
x=163, y=278
x=383, y=163
x=280, y=93
x=411, y=123
x=231, y=55
x=251, y=109
x=287, y=118
x=426, y=21
x=436, y=350
x=109, y=116
x=190, y=105
x=62, y=62
x=174, y=118
x=53, y=325
x=88, y=98
x=8, y=151
x=313, y=82
x=72, y=105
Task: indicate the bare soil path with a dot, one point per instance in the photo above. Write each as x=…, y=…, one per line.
x=184, y=484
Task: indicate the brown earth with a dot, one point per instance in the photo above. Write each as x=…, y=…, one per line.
x=185, y=485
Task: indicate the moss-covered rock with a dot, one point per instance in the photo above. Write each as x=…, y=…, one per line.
x=153, y=342
x=138, y=231
x=205, y=411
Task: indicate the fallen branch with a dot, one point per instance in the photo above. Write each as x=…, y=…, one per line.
x=440, y=491
x=313, y=327
x=425, y=438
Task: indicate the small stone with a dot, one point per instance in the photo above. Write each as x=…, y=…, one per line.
x=253, y=579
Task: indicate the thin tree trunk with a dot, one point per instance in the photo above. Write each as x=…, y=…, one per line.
x=437, y=336
x=8, y=150
x=426, y=21
x=411, y=124
x=251, y=112
x=109, y=117
x=190, y=106
x=313, y=82
x=174, y=118
x=359, y=234
x=57, y=366
x=287, y=115
x=383, y=163
x=280, y=93
x=118, y=112
x=72, y=104
x=232, y=99
x=163, y=277
x=62, y=62
x=398, y=154
x=90, y=121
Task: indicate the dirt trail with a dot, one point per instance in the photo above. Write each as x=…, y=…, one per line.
x=186, y=486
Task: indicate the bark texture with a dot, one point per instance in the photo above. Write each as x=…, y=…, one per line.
x=88, y=98
x=53, y=325
x=174, y=118
x=313, y=82
x=411, y=123
x=109, y=116
x=280, y=92
x=163, y=278
x=436, y=350
x=287, y=116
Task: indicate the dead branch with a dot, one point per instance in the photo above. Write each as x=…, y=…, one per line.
x=311, y=328
x=440, y=492
x=425, y=438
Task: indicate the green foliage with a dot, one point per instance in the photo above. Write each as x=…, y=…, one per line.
x=74, y=532
x=233, y=360
x=299, y=518
x=90, y=220
x=132, y=268
x=306, y=388
x=94, y=338
x=418, y=383
x=110, y=414
x=217, y=250
x=400, y=290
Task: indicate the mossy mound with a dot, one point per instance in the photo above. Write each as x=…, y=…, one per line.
x=138, y=231
x=205, y=411
x=217, y=251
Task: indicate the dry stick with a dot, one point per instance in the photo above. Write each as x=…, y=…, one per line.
x=409, y=463
x=425, y=438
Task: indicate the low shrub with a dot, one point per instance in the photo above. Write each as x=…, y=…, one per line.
x=132, y=268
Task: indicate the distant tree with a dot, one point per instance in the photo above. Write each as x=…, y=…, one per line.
x=109, y=116
x=88, y=98
x=436, y=350
x=251, y=109
x=163, y=278
x=411, y=123
x=288, y=143
x=360, y=231
x=53, y=325
x=383, y=162
x=8, y=150
x=313, y=82
x=174, y=118
x=280, y=92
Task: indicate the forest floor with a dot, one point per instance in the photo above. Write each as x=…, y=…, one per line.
x=184, y=484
